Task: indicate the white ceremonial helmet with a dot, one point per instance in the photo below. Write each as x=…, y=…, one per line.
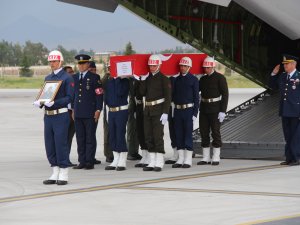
x=55, y=56
x=209, y=62
x=154, y=60
x=186, y=61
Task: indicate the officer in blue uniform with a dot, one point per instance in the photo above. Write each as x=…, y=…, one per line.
x=186, y=100
x=288, y=84
x=56, y=121
x=88, y=103
x=117, y=91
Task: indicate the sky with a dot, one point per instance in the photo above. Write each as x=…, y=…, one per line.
x=53, y=23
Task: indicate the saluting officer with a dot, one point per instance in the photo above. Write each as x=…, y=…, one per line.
x=117, y=90
x=56, y=121
x=156, y=88
x=289, y=107
x=213, y=106
x=186, y=100
x=87, y=106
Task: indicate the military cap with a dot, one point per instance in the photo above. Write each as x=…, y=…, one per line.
x=82, y=58
x=289, y=58
x=92, y=64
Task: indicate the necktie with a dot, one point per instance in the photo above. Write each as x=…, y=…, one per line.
x=81, y=77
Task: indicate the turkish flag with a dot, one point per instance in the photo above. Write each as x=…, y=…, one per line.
x=138, y=64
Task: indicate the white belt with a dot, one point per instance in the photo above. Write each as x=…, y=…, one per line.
x=211, y=99
x=184, y=106
x=156, y=102
x=116, y=109
x=56, y=111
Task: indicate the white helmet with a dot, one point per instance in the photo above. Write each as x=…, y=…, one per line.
x=55, y=56
x=186, y=61
x=154, y=60
x=209, y=62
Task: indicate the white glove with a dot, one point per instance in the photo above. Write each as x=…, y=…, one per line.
x=37, y=103
x=136, y=77
x=144, y=77
x=49, y=104
x=164, y=118
x=221, y=116
x=172, y=108
x=194, y=118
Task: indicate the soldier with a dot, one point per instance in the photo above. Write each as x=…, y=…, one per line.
x=186, y=100
x=157, y=91
x=56, y=121
x=88, y=104
x=117, y=90
x=289, y=109
x=214, y=101
x=107, y=151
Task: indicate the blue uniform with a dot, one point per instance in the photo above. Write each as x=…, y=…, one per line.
x=186, y=91
x=116, y=95
x=56, y=126
x=88, y=99
x=289, y=110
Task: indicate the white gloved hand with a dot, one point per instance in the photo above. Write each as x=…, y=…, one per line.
x=136, y=77
x=221, y=116
x=144, y=77
x=194, y=118
x=164, y=118
x=49, y=104
x=37, y=103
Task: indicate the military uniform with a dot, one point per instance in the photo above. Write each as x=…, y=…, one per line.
x=88, y=100
x=289, y=110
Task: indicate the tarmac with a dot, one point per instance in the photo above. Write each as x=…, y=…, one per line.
x=237, y=192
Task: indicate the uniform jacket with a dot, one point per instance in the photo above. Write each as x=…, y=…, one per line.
x=186, y=90
x=65, y=93
x=88, y=95
x=154, y=88
x=289, y=97
x=213, y=86
x=117, y=91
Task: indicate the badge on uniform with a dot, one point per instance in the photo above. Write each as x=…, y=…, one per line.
x=88, y=84
x=295, y=82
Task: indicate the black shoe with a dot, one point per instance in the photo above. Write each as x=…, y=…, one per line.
x=176, y=165
x=148, y=168
x=109, y=160
x=157, y=169
x=297, y=163
x=203, y=163
x=97, y=162
x=120, y=168
x=186, y=166
x=170, y=161
x=110, y=168
x=49, y=182
x=215, y=163
x=140, y=165
x=79, y=167
x=72, y=164
x=134, y=157
x=284, y=163
x=89, y=166
x=62, y=182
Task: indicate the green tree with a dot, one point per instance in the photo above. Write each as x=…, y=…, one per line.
x=129, y=49
x=25, y=70
x=36, y=53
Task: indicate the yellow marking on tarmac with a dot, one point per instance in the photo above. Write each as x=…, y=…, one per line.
x=270, y=220
x=214, y=191
x=136, y=183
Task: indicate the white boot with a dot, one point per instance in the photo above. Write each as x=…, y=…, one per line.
x=187, y=159
x=54, y=177
x=180, y=160
x=147, y=158
x=115, y=162
x=159, y=164
x=152, y=163
x=122, y=161
x=174, y=158
x=142, y=163
x=216, y=156
x=205, y=156
x=63, y=176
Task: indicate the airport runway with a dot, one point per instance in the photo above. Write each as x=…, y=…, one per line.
x=236, y=192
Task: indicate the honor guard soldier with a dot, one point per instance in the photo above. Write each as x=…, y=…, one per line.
x=87, y=106
x=186, y=100
x=214, y=100
x=289, y=107
x=157, y=91
x=56, y=121
x=117, y=90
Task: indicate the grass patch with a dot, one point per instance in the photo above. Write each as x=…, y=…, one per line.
x=13, y=82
